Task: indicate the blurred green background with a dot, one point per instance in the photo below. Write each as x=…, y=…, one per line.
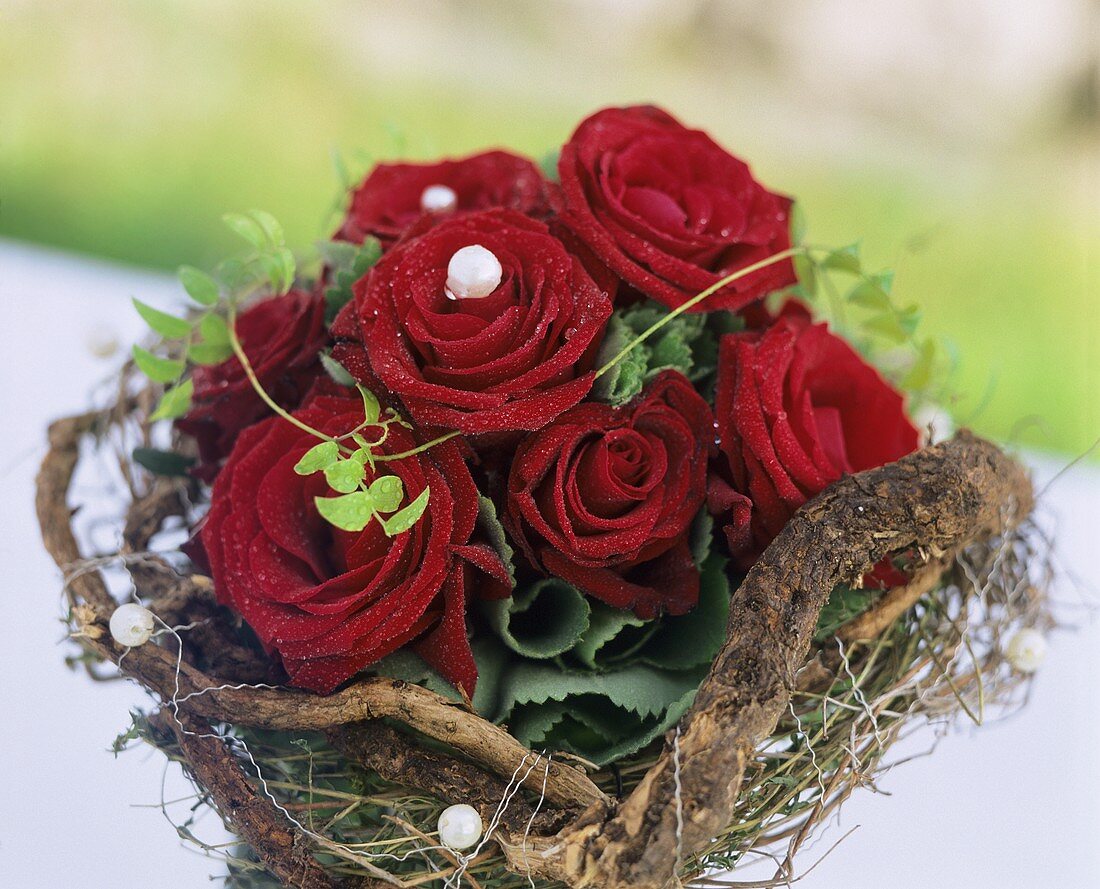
x=959, y=141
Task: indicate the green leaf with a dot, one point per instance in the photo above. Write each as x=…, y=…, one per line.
x=166, y=325
x=336, y=370
x=166, y=463
x=175, y=402
x=317, y=458
x=280, y=268
x=693, y=639
x=270, y=226
x=490, y=526
x=371, y=407
x=549, y=165
x=387, y=492
x=798, y=223
x=806, y=272
x=620, y=632
x=404, y=519
x=542, y=620
x=349, y=512
x=870, y=294
x=199, y=286
x=344, y=476
x=638, y=688
x=159, y=370
x=213, y=329
x=920, y=374
x=846, y=259
x=347, y=264
x=247, y=228
x=209, y=353
x=843, y=604
x=887, y=324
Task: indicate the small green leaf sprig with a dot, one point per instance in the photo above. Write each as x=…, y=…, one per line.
x=344, y=461
x=881, y=319
x=210, y=337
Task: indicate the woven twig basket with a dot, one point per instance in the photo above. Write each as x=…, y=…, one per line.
x=936, y=503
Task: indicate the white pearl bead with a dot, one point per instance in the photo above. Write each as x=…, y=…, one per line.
x=131, y=625
x=1026, y=650
x=438, y=199
x=102, y=342
x=473, y=273
x=459, y=827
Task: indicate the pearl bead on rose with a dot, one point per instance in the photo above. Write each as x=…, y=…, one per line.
x=473, y=273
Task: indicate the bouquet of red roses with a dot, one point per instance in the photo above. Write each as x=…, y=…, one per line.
x=520, y=436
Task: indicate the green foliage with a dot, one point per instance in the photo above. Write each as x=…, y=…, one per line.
x=199, y=286
x=168, y=326
x=167, y=463
x=336, y=371
x=859, y=304
x=159, y=370
x=685, y=344
x=844, y=604
x=345, y=471
x=347, y=263
x=490, y=526
x=545, y=619
x=175, y=402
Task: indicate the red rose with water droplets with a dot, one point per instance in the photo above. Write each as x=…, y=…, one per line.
x=796, y=409
x=511, y=360
x=393, y=196
x=670, y=211
x=282, y=337
x=330, y=602
x=604, y=497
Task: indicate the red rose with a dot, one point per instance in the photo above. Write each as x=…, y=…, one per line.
x=330, y=602
x=796, y=409
x=281, y=337
x=392, y=197
x=512, y=360
x=669, y=210
x=604, y=497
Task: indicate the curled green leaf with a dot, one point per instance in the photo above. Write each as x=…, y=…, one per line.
x=317, y=458
x=542, y=620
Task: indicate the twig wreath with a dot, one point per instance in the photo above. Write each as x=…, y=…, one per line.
x=542, y=537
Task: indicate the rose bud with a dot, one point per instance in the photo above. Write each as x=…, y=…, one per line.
x=796, y=409
x=394, y=196
x=604, y=497
x=671, y=211
x=483, y=323
x=281, y=337
x=329, y=602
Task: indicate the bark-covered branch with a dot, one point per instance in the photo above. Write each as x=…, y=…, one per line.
x=941, y=498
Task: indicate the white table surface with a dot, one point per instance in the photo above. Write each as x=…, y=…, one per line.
x=1015, y=804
